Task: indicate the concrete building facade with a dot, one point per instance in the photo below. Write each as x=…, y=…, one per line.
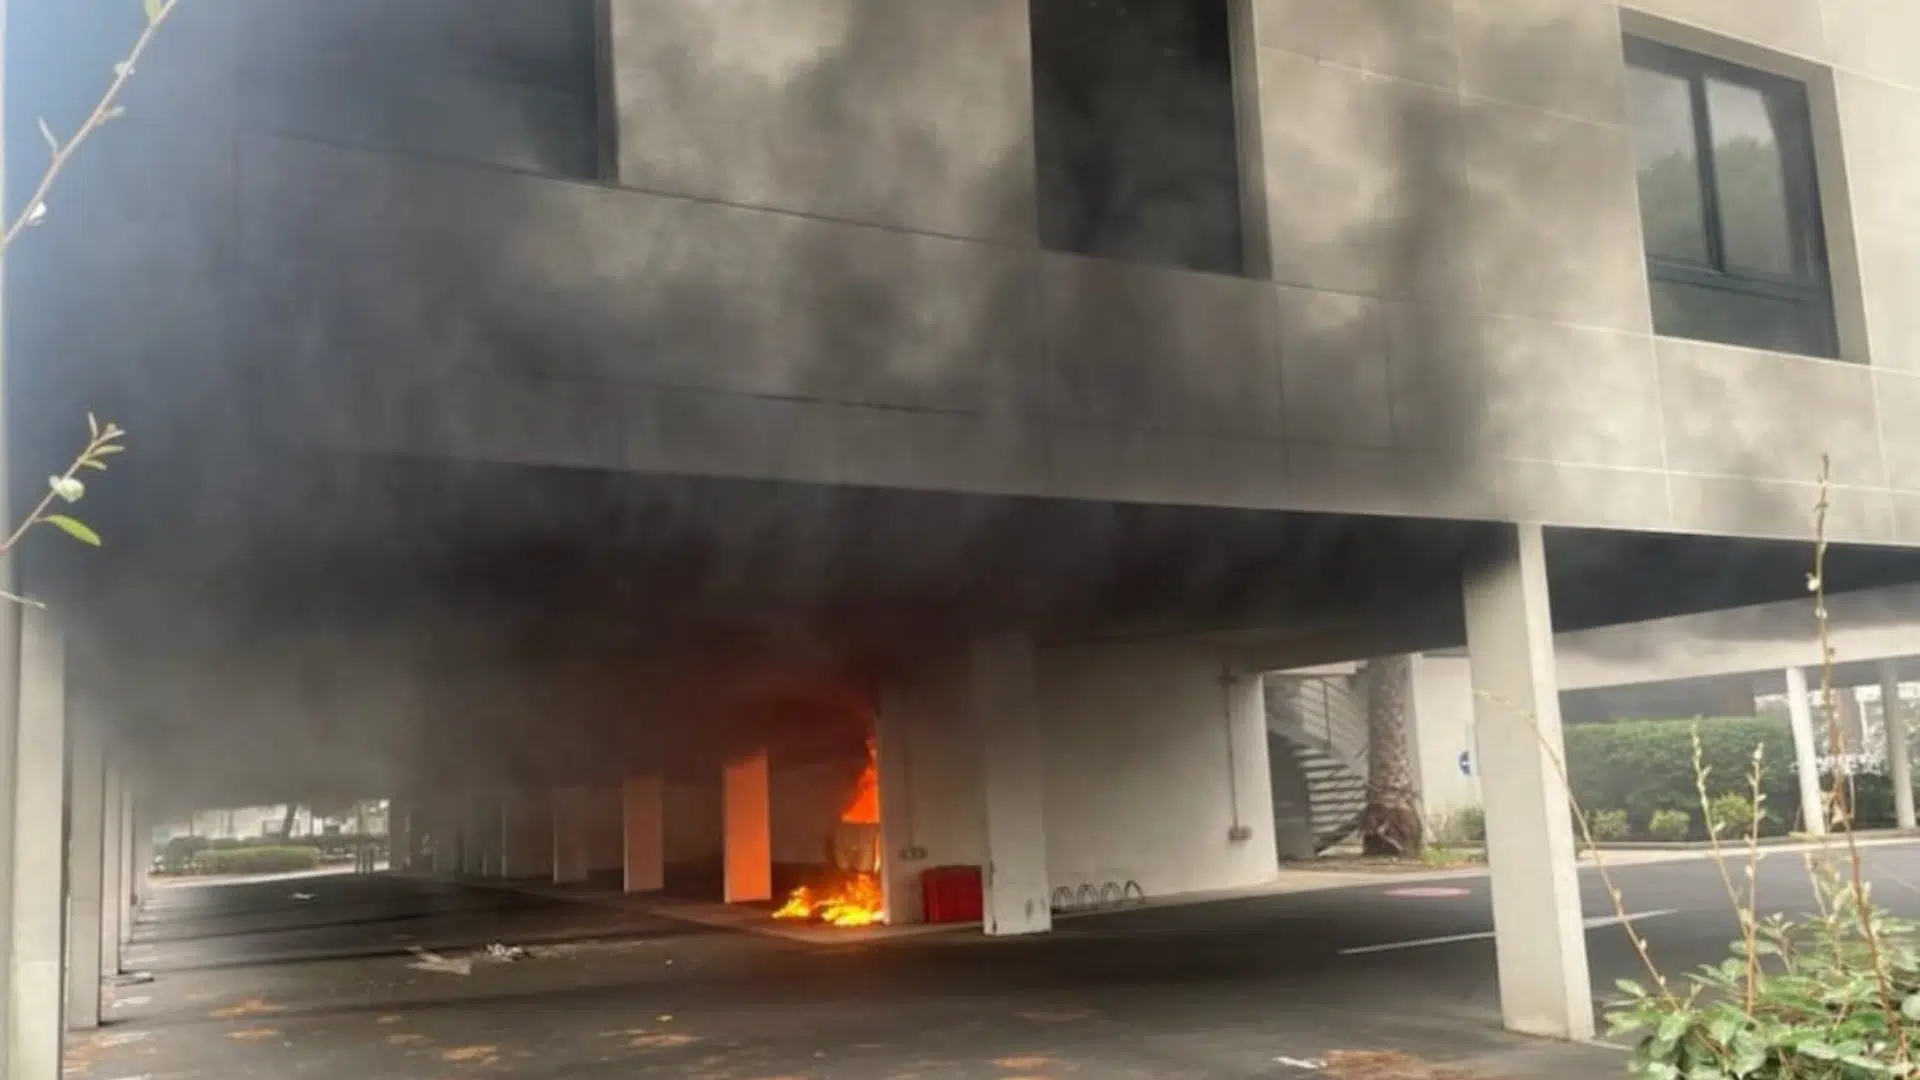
x=565, y=413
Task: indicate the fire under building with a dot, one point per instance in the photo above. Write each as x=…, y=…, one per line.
x=868, y=457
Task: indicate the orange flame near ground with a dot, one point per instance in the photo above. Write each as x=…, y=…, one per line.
x=855, y=899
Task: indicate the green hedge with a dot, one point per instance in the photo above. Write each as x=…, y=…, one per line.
x=179, y=854
x=256, y=860
x=1644, y=766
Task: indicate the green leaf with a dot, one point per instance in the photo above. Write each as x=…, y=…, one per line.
x=1749, y=1054
x=1724, y=1026
x=1910, y=1008
x=1817, y=1050
x=1630, y=988
x=75, y=529
x=155, y=8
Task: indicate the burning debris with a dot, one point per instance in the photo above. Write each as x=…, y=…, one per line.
x=854, y=896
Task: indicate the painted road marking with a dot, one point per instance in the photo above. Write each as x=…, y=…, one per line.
x=434, y=962
x=1428, y=891
x=1487, y=935
x=1304, y=1064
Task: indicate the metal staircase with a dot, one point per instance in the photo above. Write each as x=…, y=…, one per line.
x=1319, y=722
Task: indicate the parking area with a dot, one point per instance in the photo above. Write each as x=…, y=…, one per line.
x=393, y=977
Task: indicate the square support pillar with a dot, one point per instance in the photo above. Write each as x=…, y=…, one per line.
x=448, y=857
x=1806, y=754
x=644, y=833
x=86, y=871
x=476, y=835
x=746, y=808
x=1539, y=929
x=572, y=812
x=142, y=857
x=132, y=879
x=901, y=860
x=1004, y=700
x=1893, y=725
x=606, y=833
x=37, y=993
x=399, y=836
x=526, y=832
x=113, y=870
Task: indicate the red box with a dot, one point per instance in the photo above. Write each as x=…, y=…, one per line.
x=951, y=894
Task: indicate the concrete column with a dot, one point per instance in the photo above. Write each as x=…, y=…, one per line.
x=901, y=859
x=644, y=832
x=1539, y=932
x=474, y=835
x=86, y=863
x=1003, y=699
x=526, y=828
x=1806, y=754
x=571, y=842
x=37, y=995
x=396, y=834
x=131, y=879
x=447, y=840
x=746, y=809
x=1893, y=719
x=606, y=833
x=142, y=857
x=114, y=870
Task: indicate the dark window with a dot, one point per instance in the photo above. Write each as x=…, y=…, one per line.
x=512, y=83
x=1729, y=203
x=1135, y=131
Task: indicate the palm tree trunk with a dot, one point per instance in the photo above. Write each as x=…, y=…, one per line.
x=1392, y=825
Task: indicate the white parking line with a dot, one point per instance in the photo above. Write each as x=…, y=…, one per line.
x=1487, y=935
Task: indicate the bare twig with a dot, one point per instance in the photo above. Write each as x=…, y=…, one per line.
x=1614, y=894
x=1842, y=806
x=1750, y=913
x=1700, y=771
x=106, y=109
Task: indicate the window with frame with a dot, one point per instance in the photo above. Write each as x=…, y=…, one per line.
x=1729, y=203
x=1135, y=131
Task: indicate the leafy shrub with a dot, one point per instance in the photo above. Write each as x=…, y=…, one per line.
x=1465, y=827
x=1642, y=766
x=256, y=860
x=1733, y=814
x=179, y=853
x=1832, y=996
x=1670, y=825
x=1609, y=825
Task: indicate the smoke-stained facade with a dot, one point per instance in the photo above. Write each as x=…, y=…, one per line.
x=815, y=241
x=910, y=321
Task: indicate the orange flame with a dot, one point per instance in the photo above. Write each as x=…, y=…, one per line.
x=857, y=898
x=856, y=901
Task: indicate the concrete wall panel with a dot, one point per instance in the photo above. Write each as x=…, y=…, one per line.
x=841, y=284
x=1141, y=779
x=1882, y=142
x=1741, y=413
x=1556, y=221
x=1788, y=26
x=1872, y=37
x=912, y=115
x=1156, y=348
x=1557, y=56
x=1404, y=39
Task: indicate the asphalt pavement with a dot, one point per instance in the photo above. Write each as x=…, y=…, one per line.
x=389, y=977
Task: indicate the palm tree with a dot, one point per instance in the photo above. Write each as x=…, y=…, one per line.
x=1392, y=825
